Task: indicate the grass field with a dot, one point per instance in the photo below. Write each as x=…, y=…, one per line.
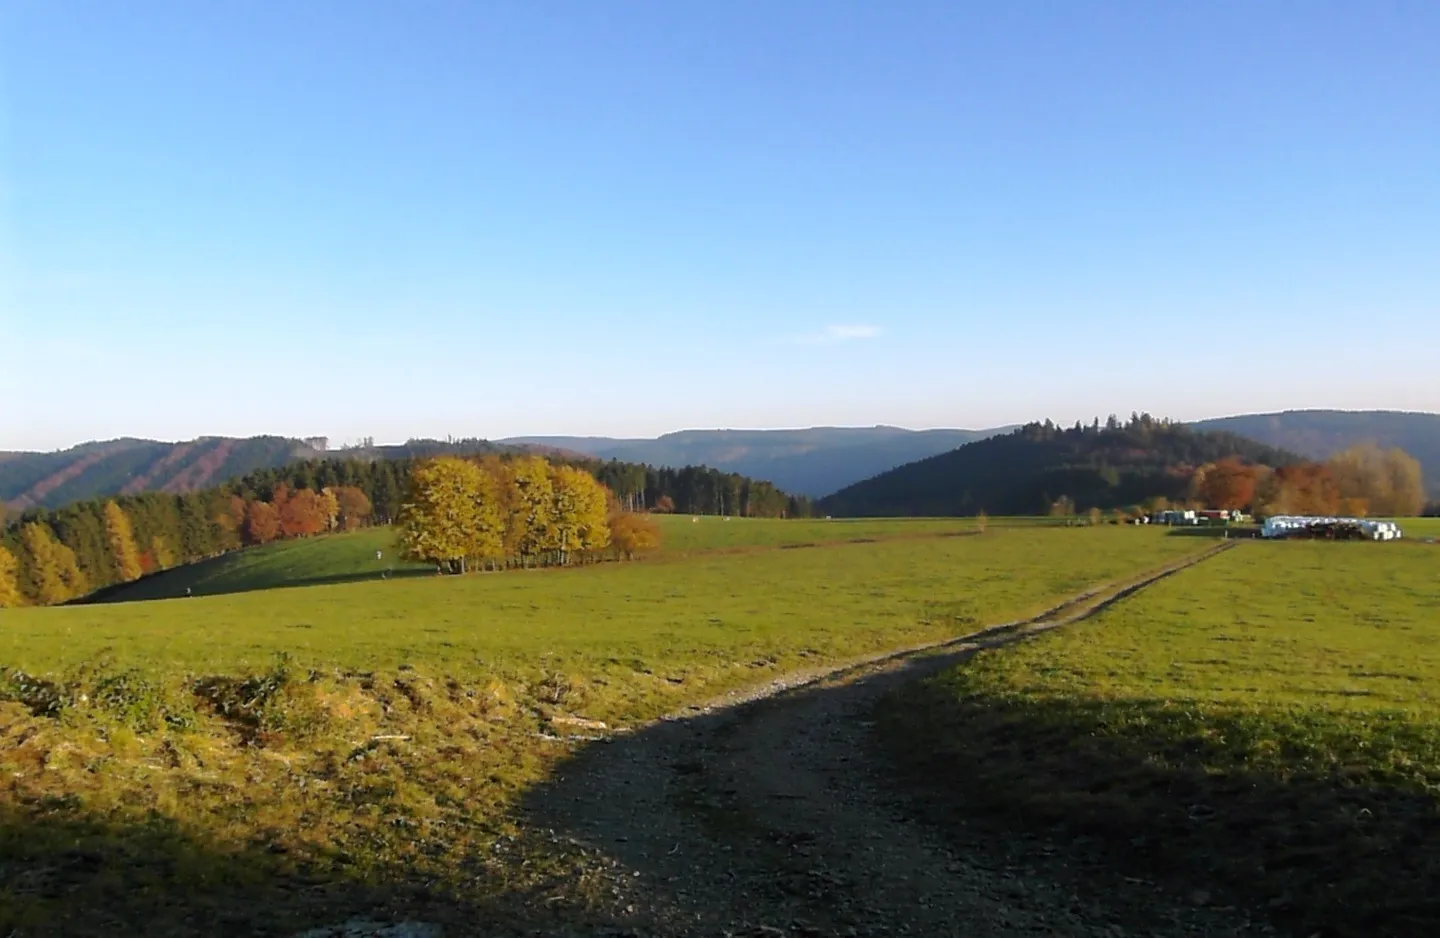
x=167, y=742
x=1420, y=527
x=1268, y=722
x=349, y=558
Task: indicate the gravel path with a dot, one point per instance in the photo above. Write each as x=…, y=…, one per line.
x=770, y=814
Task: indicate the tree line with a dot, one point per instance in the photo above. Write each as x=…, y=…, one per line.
x=1361, y=481
x=1044, y=467
x=54, y=555
x=462, y=515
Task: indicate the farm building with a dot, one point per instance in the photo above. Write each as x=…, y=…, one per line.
x=1293, y=525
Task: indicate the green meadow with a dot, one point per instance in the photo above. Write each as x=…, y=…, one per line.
x=232, y=748
x=352, y=557
x=1267, y=721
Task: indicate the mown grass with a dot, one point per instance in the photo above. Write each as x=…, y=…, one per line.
x=159, y=762
x=1266, y=725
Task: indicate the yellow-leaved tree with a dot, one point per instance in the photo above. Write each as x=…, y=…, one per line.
x=1388, y=482
x=10, y=594
x=161, y=553
x=123, y=551
x=329, y=506
x=580, y=514
x=632, y=533
x=451, y=516
x=530, y=527
x=55, y=573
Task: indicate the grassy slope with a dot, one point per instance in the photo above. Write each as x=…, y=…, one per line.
x=335, y=558
x=1267, y=722
x=194, y=814
x=344, y=558
x=707, y=608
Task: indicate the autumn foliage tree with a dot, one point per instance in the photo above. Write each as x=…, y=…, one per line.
x=1299, y=489
x=579, y=516
x=262, y=523
x=1384, y=482
x=461, y=515
x=123, y=549
x=302, y=514
x=1228, y=483
x=10, y=594
x=451, y=515
x=632, y=534
x=53, y=568
x=354, y=507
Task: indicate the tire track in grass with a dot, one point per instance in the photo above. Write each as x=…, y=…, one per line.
x=766, y=812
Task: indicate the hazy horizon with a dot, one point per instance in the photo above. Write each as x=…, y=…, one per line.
x=338, y=442
x=497, y=220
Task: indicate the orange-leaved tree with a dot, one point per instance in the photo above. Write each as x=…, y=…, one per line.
x=262, y=523
x=354, y=505
x=1301, y=489
x=1227, y=483
x=301, y=514
x=632, y=534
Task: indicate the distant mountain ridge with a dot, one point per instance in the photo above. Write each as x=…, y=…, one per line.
x=1039, y=465
x=128, y=466
x=817, y=461
x=1320, y=434
x=813, y=461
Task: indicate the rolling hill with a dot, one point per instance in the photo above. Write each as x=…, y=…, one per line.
x=1024, y=471
x=1320, y=434
x=812, y=461
x=130, y=466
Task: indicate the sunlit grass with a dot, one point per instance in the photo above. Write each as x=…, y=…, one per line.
x=1268, y=721
x=168, y=740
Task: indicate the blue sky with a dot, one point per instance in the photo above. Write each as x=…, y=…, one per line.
x=394, y=220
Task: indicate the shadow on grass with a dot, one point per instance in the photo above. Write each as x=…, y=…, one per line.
x=1326, y=828
x=68, y=874
x=65, y=873
x=156, y=586
x=1217, y=532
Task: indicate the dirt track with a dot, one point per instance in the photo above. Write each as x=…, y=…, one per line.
x=770, y=813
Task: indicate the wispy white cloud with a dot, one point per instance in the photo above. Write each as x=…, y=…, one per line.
x=838, y=333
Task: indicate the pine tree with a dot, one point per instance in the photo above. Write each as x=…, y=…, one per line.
x=124, y=552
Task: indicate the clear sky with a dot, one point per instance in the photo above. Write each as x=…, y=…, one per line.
x=475, y=218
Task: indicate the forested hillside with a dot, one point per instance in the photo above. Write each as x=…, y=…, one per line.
x=129, y=466
x=53, y=555
x=813, y=462
x=1321, y=434
x=1037, y=466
